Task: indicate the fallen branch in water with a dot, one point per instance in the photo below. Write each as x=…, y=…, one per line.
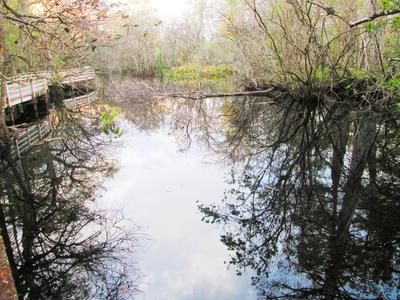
x=199, y=96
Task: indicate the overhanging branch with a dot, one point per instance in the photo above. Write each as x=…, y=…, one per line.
x=374, y=16
x=330, y=11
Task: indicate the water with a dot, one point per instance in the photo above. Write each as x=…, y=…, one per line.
x=301, y=195
x=305, y=187
x=157, y=187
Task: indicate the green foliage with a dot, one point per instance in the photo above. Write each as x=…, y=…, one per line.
x=192, y=72
x=392, y=43
x=159, y=64
x=389, y=4
x=393, y=83
x=392, y=86
x=322, y=74
x=11, y=38
x=107, y=120
x=359, y=74
x=372, y=27
x=396, y=22
x=369, y=27
x=13, y=3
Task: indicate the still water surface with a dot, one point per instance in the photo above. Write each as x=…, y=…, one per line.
x=157, y=187
x=304, y=194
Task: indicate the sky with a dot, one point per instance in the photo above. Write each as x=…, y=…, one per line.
x=166, y=9
x=170, y=8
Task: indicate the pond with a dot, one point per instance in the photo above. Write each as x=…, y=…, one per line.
x=303, y=194
x=297, y=196
x=158, y=186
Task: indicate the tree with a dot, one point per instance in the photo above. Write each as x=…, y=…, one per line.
x=48, y=34
x=306, y=43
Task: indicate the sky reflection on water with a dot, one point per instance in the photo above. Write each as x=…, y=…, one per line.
x=157, y=187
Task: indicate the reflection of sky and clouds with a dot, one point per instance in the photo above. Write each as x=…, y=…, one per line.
x=157, y=187
x=296, y=180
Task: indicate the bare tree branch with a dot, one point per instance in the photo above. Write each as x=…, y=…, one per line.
x=374, y=16
x=197, y=96
x=332, y=12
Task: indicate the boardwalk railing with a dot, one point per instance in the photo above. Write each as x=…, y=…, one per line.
x=23, y=140
x=81, y=100
x=77, y=75
x=27, y=87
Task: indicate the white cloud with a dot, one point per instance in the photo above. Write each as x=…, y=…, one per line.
x=157, y=187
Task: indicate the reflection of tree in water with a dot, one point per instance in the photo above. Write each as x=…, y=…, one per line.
x=136, y=98
x=59, y=245
x=313, y=202
x=148, y=107
x=313, y=208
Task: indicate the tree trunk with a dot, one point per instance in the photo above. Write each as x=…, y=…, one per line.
x=28, y=219
x=8, y=248
x=52, y=173
x=2, y=80
x=372, y=43
x=340, y=138
x=28, y=229
x=363, y=144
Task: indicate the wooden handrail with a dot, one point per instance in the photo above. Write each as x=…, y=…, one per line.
x=26, y=87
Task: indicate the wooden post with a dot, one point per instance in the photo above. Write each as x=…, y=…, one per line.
x=20, y=108
x=40, y=131
x=45, y=88
x=20, y=91
x=94, y=80
x=3, y=54
x=9, y=102
x=33, y=95
x=4, y=99
x=17, y=148
x=29, y=136
x=7, y=94
x=87, y=81
x=12, y=115
x=20, y=100
x=32, y=89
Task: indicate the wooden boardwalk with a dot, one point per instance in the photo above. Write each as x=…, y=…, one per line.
x=28, y=87
x=21, y=89
x=73, y=103
x=24, y=139
x=72, y=76
x=25, y=88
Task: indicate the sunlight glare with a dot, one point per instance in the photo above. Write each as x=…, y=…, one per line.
x=170, y=8
x=165, y=9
